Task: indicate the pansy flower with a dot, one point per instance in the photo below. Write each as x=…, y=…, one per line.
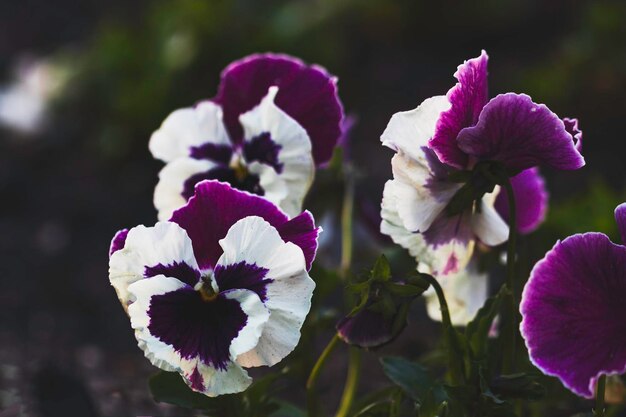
x=452, y=150
x=221, y=286
x=573, y=309
x=273, y=120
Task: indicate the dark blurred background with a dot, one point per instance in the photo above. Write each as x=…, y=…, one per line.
x=84, y=83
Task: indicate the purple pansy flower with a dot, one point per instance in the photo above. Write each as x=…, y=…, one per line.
x=221, y=286
x=439, y=203
x=573, y=309
x=273, y=120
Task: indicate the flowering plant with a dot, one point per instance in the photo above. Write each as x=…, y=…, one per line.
x=226, y=280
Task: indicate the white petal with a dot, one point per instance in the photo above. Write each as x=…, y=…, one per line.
x=288, y=296
x=409, y=131
x=198, y=375
x=442, y=259
x=160, y=354
x=419, y=196
x=295, y=153
x=465, y=292
x=186, y=128
x=165, y=244
x=487, y=224
x=168, y=192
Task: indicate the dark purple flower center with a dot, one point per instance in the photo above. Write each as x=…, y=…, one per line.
x=260, y=149
x=179, y=270
x=243, y=275
x=195, y=327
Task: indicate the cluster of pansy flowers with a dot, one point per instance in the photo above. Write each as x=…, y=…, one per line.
x=221, y=282
x=452, y=151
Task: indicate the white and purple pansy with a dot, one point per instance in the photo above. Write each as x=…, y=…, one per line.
x=223, y=285
x=439, y=202
x=573, y=309
x=273, y=120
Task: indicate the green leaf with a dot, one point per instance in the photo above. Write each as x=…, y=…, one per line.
x=412, y=377
x=286, y=409
x=404, y=290
x=520, y=385
x=477, y=330
x=381, y=270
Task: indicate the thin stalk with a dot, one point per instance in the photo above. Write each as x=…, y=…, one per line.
x=509, y=354
x=456, y=363
x=311, y=397
x=346, y=223
x=352, y=382
x=354, y=363
x=599, y=409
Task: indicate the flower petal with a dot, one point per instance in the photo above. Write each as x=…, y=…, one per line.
x=445, y=247
x=216, y=206
x=465, y=291
x=620, y=218
x=531, y=200
x=573, y=311
x=177, y=328
x=285, y=287
x=308, y=94
x=118, y=241
x=467, y=97
x=301, y=230
x=571, y=125
x=164, y=249
x=189, y=128
x=176, y=182
x=520, y=134
x=291, y=158
x=408, y=132
x=420, y=196
x=487, y=224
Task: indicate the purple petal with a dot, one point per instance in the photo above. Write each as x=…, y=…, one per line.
x=620, y=218
x=573, y=311
x=301, y=231
x=571, y=125
x=215, y=152
x=467, y=97
x=216, y=206
x=520, y=134
x=182, y=271
x=531, y=200
x=263, y=149
x=194, y=327
x=306, y=93
x=118, y=241
x=243, y=275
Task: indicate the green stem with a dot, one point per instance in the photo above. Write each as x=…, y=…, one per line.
x=455, y=362
x=352, y=382
x=599, y=409
x=311, y=397
x=346, y=223
x=509, y=354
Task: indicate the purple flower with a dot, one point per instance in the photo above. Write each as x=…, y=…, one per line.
x=440, y=202
x=221, y=286
x=573, y=309
x=273, y=120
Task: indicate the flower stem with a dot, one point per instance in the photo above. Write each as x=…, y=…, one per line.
x=311, y=397
x=509, y=354
x=352, y=382
x=346, y=222
x=455, y=360
x=599, y=409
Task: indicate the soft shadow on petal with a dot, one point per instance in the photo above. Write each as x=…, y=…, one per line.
x=521, y=134
x=531, y=200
